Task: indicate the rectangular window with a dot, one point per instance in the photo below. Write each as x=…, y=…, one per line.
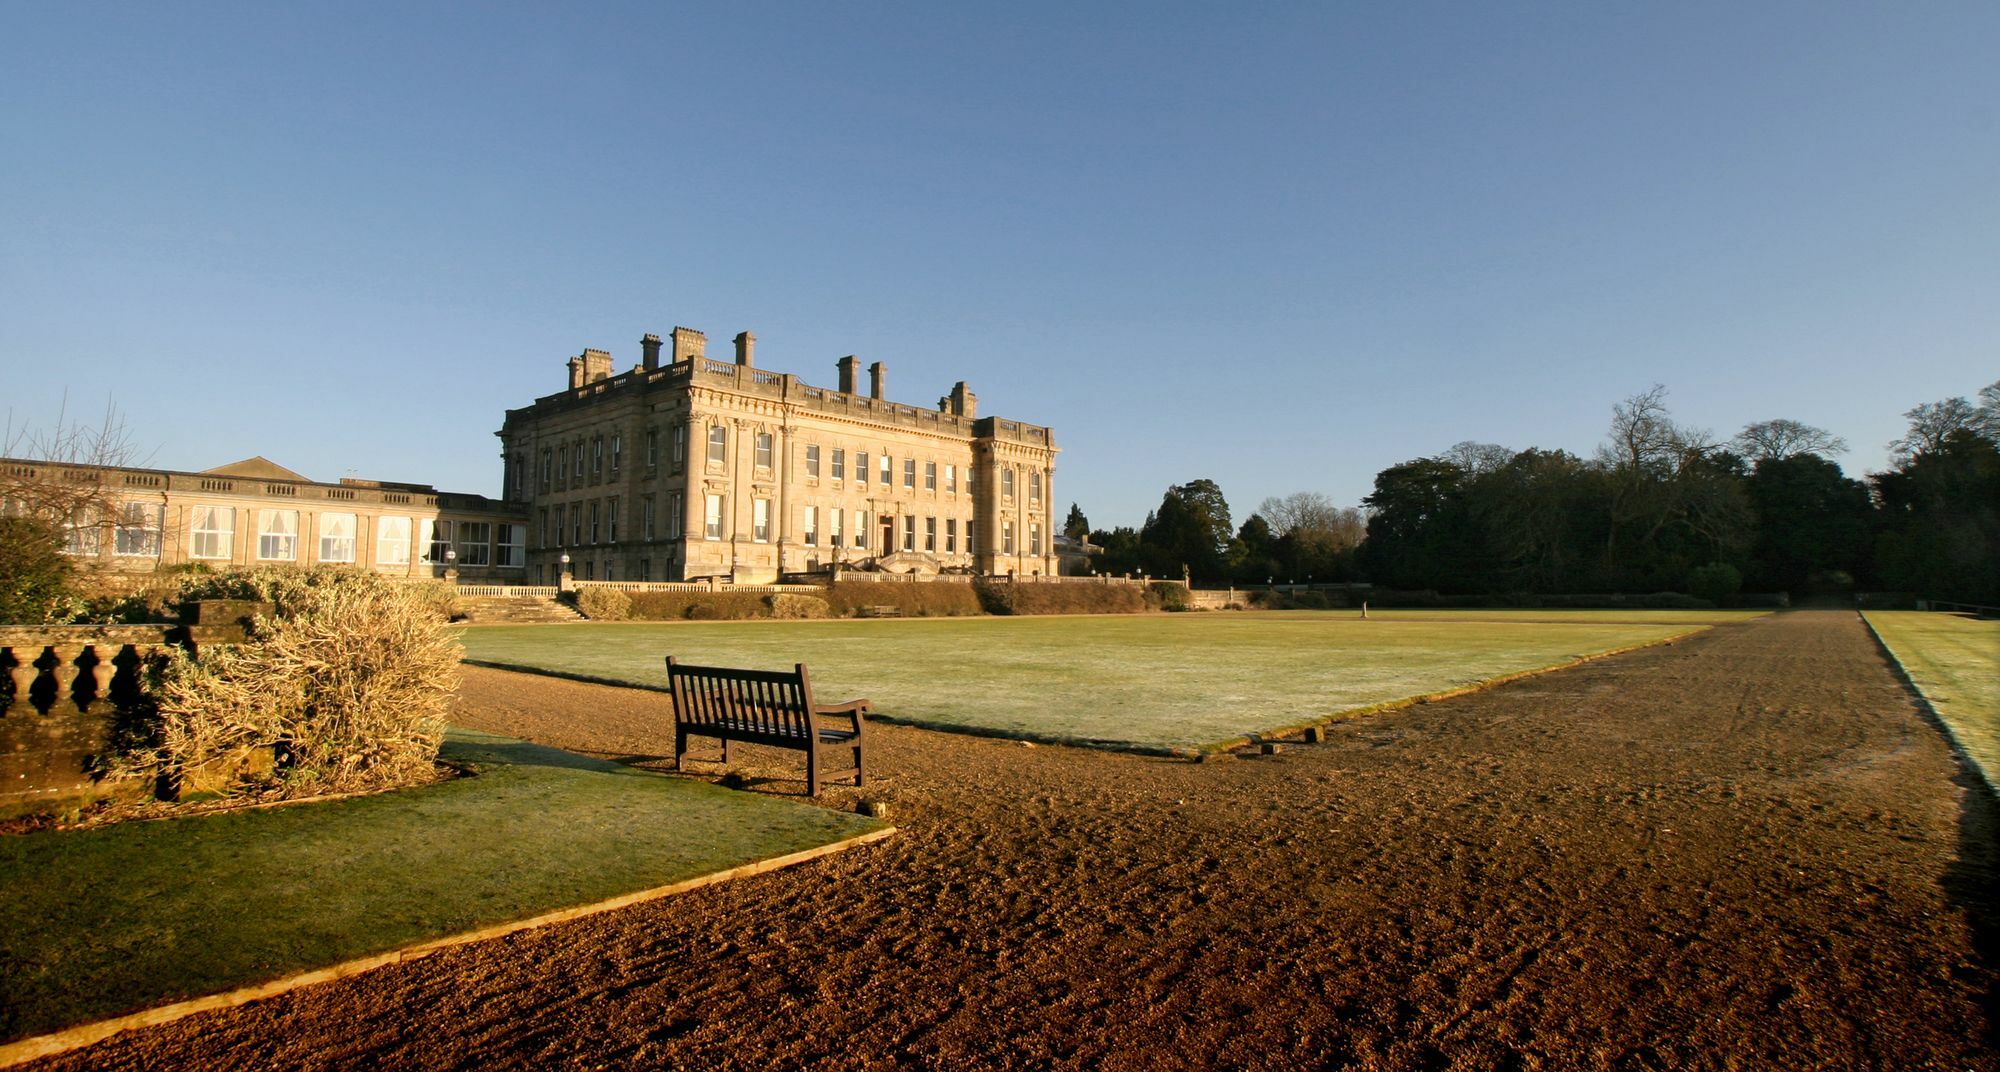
x=812, y=460
x=861, y=528
x=888, y=471
x=137, y=532
x=713, y=527
x=951, y=480
x=812, y=526
x=968, y=537
x=559, y=529
x=611, y=569
x=576, y=474
x=545, y=468
x=576, y=524
x=910, y=473
x=513, y=551
x=930, y=534
x=652, y=448
x=718, y=444
x=760, y=520
x=679, y=436
x=833, y=517
x=594, y=531
x=1006, y=537
x=951, y=535
x=930, y=476
x=278, y=535
x=611, y=520
x=336, y=537
x=562, y=463
x=475, y=543
x=392, y=541
x=440, y=541
x=617, y=452
x=1007, y=483
x=646, y=517
x=514, y=477
x=1035, y=486
x=909, y=532
x=597, y=458
x=763, y=450
x=1034, y=539
x=214, y=532
x=839, y=464
x=861, y=467
x=677, y=521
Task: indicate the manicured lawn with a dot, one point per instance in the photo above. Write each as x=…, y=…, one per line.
x=1954, y=660
x=104, y=922
x=1148, y=682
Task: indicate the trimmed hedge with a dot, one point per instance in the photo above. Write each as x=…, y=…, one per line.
x=924, y=599
x=1034, y=598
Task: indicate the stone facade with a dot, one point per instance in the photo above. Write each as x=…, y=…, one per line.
x=258, y=513
x=690, y=468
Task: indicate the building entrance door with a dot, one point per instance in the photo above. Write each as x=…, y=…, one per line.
x=888, y=534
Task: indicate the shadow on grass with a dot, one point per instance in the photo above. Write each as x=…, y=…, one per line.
x=105, y=922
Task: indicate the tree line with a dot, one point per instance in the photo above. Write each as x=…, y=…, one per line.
x=1660, y=506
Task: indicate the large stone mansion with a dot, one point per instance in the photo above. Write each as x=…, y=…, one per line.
x=678, y=469
x=685, y=468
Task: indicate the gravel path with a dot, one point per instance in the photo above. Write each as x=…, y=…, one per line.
x=1744, y=850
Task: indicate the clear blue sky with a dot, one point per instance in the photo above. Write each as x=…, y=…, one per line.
x=1278, y=246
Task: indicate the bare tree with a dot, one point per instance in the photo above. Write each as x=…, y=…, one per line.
x=1931, y=423
x=1987, y=416
x=1299, y=510
x=1779, y=439
x=1477, y=458
x=61, y=474
x=1644, y=437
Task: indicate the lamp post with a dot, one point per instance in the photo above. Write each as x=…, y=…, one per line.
x=564, y=582
x=451, y=566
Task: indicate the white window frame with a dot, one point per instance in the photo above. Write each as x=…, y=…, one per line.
x=718, y=444
x=861, y=468
x=338, y=537
x=273, y=538
x=812, y=460
x=611, y=520
x=211, y=541
x=833, y=517
x=951, y=535
x=763, y=455
x=811, y=526
x=712, y=520
x=760, y=520
x=392, y=540
x=839, y=463
x=511, y=552
x=910, y=532
x=930, y=534
x=888, y=470
x=861, y=529
x=1006, y=537
x=951, y=479
x=1007, y=483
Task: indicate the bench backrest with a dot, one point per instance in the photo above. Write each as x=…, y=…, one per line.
x=773, y=702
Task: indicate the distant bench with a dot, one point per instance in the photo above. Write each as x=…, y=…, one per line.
x=772, y=707
x=882, y=610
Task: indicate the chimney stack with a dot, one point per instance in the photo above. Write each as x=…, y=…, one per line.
x=650, y=344
x=850, y=370
x=596, y=365
x=575, y=373
x=746, y=346
x=689, y=344
x=963, y=402
x=877, y=373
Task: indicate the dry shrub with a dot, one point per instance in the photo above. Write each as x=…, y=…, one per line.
x=286, y=586
x=927, y=599
x=604, y=604
x=347, y=682
x=705, y=606
x=790, y=606
x=1061, y=598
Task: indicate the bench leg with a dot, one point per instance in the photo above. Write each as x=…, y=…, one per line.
x=858, y=777
x=812, y=770
x=725, y=751
x=680, y=748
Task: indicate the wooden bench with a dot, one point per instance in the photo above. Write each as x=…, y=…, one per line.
x=884, y=610
x=771, y=707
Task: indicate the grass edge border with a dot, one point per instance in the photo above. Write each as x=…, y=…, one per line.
x=81, y=1035
x=1345, y=714
x=1930, y=711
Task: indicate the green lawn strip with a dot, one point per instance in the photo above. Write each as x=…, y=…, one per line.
x=1150, y=683
x=1620, y=617
x=1954, y=660
x=105, y=922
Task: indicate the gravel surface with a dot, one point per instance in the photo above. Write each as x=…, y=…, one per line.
x=1744, y=850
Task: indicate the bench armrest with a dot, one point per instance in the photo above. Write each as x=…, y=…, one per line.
x=856, y=708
